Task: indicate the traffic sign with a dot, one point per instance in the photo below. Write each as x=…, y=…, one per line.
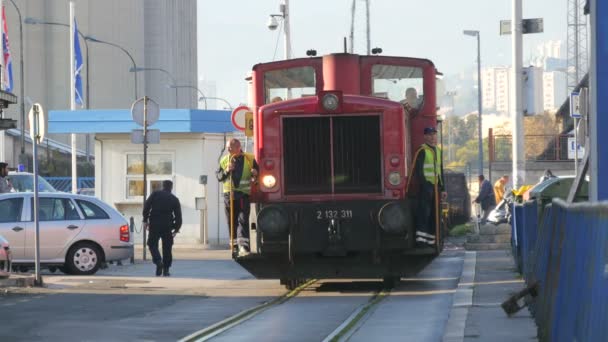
x=575, y=105
x=572, y=146
x=38, y=122
x=239, y=117
x=137, y=111
x=534, y=25
x=249, y=124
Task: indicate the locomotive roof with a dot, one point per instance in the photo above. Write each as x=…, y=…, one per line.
x=295, y=60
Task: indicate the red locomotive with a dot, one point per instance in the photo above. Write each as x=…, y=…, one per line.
x=334, y=138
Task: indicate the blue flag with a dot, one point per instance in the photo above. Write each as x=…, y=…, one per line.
x=78, y=67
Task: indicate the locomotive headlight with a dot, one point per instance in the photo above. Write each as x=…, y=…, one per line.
x=330, y=102
x=393, y=218
x=394, y=178
x=273, y=220
x=269, y=181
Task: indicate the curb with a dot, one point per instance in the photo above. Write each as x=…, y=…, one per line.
x=18, y=281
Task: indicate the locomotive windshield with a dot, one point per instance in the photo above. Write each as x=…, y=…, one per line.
x=393, y=82
x=289, y=83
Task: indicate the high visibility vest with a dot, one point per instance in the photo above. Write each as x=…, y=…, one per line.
x=245, y=183
x=432, y=164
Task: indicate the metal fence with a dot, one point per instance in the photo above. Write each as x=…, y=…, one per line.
x=565, y=252
x=536, y=148
x=65, y=183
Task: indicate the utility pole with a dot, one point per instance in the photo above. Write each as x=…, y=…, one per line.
x=352, y=26
x=518, y=159
x=287, y=28
x=367, y=27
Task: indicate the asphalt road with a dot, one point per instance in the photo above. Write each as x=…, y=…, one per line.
x=127, y=303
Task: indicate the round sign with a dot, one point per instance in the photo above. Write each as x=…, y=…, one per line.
x=38, y=122
x=239, y=117
x=137, y=111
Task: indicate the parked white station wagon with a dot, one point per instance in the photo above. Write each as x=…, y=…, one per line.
x=77, y=233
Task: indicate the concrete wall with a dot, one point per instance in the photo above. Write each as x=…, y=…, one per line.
x=534, y=170
x=194, y=155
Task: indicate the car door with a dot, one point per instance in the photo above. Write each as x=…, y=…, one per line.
x=60, y=223
x=12, y=227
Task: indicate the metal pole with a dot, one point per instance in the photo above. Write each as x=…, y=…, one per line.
x=73, y=99
x=145, y=164
x=518, y=160
x=367, y=26
x=287, y=29
x=22, y=158
x=479, y=103
x=575, y=147
x=36, y=203
x=352, y=26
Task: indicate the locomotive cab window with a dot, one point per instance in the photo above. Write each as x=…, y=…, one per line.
x=289, y=83
x=403, y=84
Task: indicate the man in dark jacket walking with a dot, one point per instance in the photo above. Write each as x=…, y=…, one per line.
x=485, y=198
x=163, y=219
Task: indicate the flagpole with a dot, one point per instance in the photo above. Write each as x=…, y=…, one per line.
x=73, y=98
x=2, y=76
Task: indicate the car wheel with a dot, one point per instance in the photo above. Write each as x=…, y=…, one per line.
x=83, y=259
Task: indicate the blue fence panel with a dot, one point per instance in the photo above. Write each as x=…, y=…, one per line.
x=529, y=232
x=516, y=235
x=65, y=183
x=568, y=259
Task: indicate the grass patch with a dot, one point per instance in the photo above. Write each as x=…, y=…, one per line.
x=461, y=230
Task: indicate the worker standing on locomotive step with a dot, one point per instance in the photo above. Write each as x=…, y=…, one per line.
x=242, y=169
x=428, y=174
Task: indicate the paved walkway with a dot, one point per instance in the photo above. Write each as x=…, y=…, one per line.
x=477, y=314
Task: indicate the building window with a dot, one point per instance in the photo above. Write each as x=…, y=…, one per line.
x=159, y=167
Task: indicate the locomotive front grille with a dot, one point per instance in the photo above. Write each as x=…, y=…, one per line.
x=340, y=154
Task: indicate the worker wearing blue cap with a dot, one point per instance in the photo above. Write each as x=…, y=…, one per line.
x=428, y=174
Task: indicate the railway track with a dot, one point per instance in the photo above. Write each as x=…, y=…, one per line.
x=340, y=333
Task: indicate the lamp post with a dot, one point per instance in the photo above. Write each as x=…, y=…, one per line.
x=95, y=40
x=138, y=69
x=22, y=158
x=217, y=98
x=35, y=21
x=475, y=33
x=451, y=95
x=273, y=24
x=191, y=87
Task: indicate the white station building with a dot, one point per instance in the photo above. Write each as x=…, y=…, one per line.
x=191, y=142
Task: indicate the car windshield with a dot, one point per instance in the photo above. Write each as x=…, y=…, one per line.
x=25, y=183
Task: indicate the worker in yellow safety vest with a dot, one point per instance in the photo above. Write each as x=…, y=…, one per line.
x=237, y=171
x=428, y=174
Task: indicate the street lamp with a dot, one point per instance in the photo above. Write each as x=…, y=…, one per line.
x=474, y=33
x=94, y=40
x=451, y=95
x=191, y=87
x=22, y=158
x=216, y=98
x=36, y=21
x=138, y=69
x=273, y=24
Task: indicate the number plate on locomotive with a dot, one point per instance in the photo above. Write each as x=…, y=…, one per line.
x=328, y=214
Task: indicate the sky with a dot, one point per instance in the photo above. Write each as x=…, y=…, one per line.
x=233, y=36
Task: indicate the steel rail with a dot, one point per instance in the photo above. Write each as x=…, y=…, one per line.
x=230, y=322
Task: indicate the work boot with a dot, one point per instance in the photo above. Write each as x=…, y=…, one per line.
x=166, y=272
x=159, y=269
x=243, y=251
